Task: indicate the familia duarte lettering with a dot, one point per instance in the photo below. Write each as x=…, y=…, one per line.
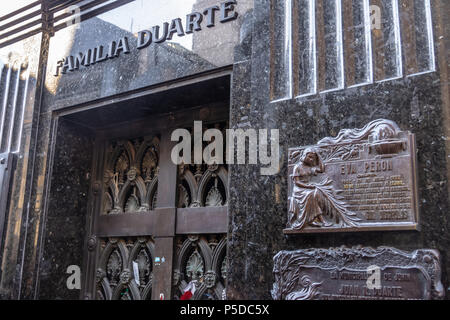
x=157, y=34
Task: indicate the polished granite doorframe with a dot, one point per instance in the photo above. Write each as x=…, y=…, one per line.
x=67, y=222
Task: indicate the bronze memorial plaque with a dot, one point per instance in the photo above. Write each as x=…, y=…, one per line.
x=362, y=180
x=357, y=274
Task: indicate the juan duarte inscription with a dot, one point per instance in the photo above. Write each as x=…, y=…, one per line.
x=158, y=34
x=358, y=273
x=363, y=179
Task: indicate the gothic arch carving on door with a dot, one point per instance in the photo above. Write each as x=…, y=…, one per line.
x=130, y=225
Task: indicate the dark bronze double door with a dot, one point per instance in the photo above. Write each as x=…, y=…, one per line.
x=154, y=226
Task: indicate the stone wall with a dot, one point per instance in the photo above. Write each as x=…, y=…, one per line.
x=258, y=206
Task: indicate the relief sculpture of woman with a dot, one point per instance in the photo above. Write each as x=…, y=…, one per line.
x=313, y=202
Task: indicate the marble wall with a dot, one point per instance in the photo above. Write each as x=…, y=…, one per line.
x=64, y=234
x=418, y=103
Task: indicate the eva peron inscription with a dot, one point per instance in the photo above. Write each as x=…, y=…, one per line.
x=364, y=179
x=357, y=274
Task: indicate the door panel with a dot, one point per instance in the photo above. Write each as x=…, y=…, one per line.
x=201, y=258
x=116, y=278
x=143, y=247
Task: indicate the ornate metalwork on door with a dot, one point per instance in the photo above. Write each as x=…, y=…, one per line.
x=201, y=259
x=131, y=176
x=202, y=185
x=137, y=250
x=116, y=276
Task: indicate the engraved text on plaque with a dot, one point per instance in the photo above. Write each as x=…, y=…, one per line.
x=364, y=179
x=357, y=274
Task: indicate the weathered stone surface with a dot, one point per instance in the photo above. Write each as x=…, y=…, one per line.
x=357, y=274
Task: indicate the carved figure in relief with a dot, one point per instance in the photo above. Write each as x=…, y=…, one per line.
x=382, y=135
x=376, y=130
x=313, y=197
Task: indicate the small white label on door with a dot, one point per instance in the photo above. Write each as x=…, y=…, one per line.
x=136, y=273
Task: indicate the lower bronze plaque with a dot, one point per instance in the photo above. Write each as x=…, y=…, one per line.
x=357, y=274
x=363, y=179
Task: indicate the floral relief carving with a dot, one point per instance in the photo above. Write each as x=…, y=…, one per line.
x=214, y=198
x=204, y=184
x=200, y=259
x=125, y=276
x=132, y=204
x=309, y=290
x=114, y=267
x=320, y=273
x=206, y=188
x=124, y=264
x=118, y=256
x=149, y=165
x=195, y=266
